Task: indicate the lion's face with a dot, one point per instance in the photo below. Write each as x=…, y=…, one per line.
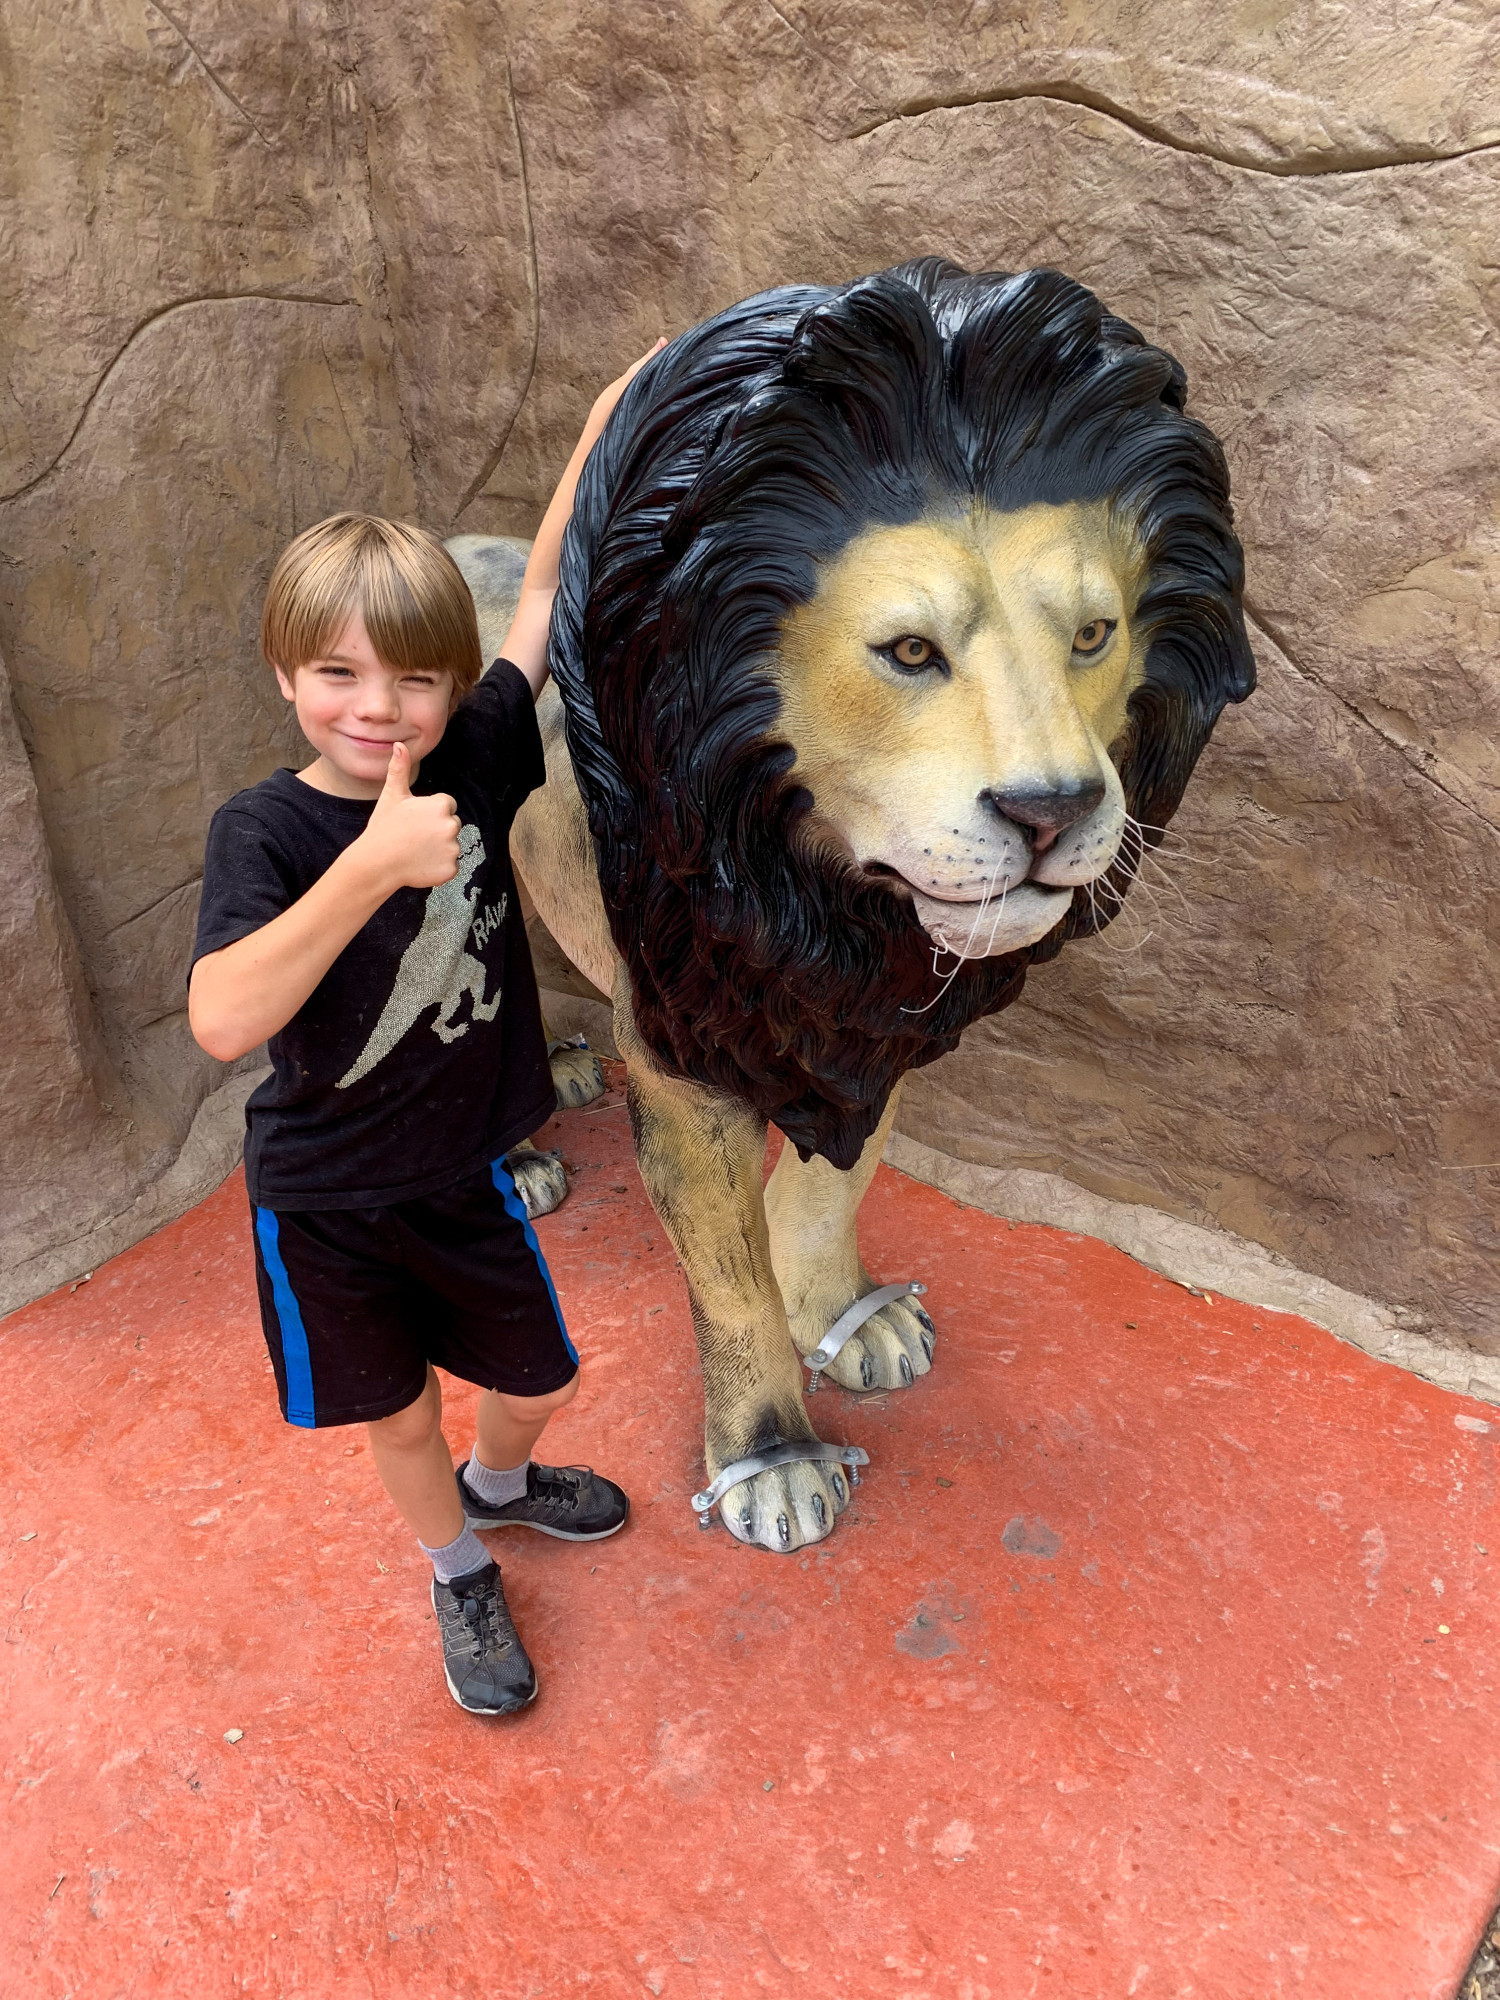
x=952, y=691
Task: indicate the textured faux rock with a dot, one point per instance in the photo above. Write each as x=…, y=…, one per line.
x=277, y=261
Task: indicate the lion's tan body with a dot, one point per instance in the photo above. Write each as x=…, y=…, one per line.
x=905, y=773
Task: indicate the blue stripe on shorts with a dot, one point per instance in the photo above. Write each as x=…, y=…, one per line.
x=515, y=1208
x=295, y=1358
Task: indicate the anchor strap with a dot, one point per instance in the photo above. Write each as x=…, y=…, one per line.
x=852, y=1320
x=810, y=1451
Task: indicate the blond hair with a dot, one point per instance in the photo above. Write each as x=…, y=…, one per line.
x=408, y=589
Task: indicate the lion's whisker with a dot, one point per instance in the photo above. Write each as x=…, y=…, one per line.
x=1108, y=897
x=999, y=913
x=984, y=903
x=1143, y=853
x=1162, y=879
x=962, y=956
x=1139, y=867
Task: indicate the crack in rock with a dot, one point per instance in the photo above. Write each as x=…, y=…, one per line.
x=1411, y=754
x=1301, y=166
x=144, y=326
x=486, y=472
x=209, y=71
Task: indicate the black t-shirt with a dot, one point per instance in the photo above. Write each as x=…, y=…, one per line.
x=420, y=1056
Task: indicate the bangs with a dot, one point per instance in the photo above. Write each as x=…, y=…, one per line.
x=411, y=594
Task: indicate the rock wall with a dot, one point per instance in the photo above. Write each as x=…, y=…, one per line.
x=279, y=260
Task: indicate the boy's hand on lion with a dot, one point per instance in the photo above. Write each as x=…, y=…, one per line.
x=526, y=642
x=605, y=401
x=411, y=842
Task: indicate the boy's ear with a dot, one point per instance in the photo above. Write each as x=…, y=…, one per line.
x=285, y=685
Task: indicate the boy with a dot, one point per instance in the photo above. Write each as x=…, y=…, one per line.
x=361, y=914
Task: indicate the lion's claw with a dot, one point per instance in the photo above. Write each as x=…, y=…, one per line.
x=891, y=1349
x=541, y=1178
x=786, y=1508
x=577, y=1076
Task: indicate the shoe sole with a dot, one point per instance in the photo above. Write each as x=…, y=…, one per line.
x=558, y=1534
x=514, y=1708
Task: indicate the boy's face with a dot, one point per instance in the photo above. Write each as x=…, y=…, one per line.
x=352, y=708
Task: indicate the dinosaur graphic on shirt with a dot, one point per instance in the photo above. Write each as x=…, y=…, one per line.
x=437, y=968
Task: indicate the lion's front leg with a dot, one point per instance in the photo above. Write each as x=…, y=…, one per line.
x=813, y=1214
x=701, y=1156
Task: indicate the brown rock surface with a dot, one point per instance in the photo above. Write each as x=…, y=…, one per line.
x=57, y=1082
x=208, y=345
x=284, y=260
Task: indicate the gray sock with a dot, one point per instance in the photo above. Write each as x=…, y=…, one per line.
x=459, y=1557
x=495, y=1488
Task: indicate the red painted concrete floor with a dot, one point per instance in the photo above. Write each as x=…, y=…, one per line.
x=1157, y=1656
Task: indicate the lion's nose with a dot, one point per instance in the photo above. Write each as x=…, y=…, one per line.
x=1047, y=812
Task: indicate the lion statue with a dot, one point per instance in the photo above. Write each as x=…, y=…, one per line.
x=893, y=618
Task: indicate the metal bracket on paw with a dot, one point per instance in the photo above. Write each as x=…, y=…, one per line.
x=851, y=1322
x=810, y=1452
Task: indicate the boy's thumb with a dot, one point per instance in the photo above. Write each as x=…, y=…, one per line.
x=398, y=772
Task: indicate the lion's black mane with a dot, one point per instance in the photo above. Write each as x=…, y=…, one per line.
x=752, y=449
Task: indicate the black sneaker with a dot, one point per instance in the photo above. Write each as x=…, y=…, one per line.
x=486, y=1664
x=569, y=1501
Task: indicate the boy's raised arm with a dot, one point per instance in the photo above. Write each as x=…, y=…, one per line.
x=526, y=642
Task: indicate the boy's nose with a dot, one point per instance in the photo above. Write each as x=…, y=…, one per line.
x=377, y=701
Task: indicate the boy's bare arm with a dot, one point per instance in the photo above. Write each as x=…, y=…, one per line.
x=252, y=988
x=526, y=642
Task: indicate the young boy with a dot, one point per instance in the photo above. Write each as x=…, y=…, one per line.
x=361, y=913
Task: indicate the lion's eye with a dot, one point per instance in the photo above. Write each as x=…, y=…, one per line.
x=912, y=654
x=1092, y=638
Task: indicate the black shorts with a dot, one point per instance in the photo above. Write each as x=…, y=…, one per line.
x=356, y=1301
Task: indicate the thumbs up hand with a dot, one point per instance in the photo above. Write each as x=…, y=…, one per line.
x=411, y=843
x=398, y=774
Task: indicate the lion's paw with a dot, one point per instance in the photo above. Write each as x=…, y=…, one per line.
x=786, y=1508
x=577, y=1075
x=891, y=1349
x=541, y=1179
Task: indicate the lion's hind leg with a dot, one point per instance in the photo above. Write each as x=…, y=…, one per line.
x=812, y=1210
x=701, y=1156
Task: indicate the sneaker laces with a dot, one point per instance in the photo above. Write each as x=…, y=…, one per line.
x=559, y=1485
x=480, y=1613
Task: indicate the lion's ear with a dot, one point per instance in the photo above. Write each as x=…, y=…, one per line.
x=874, y=353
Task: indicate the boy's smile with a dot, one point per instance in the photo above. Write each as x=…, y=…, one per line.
x=352, y=707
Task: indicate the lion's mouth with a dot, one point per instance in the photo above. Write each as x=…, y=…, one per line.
x=982, y=926
x=957, y=899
